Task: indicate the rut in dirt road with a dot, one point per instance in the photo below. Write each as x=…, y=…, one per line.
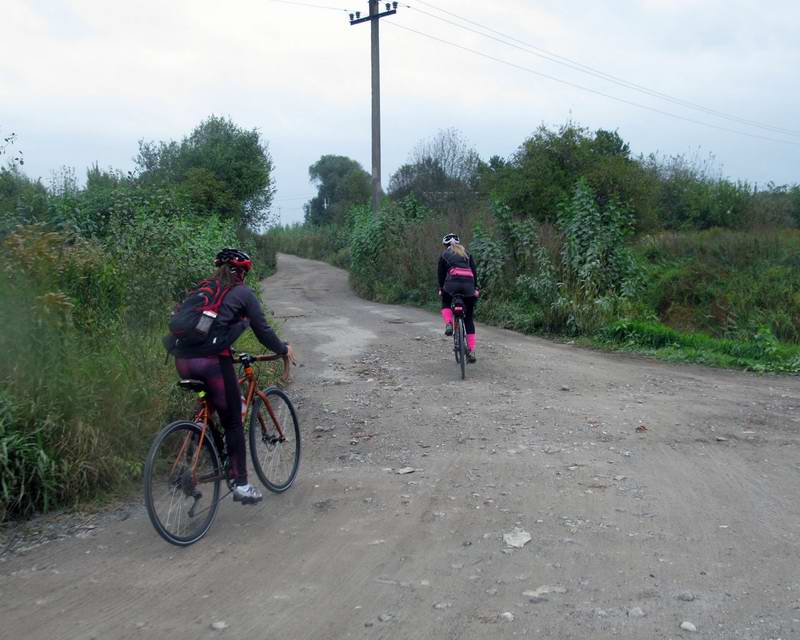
x=652, y=496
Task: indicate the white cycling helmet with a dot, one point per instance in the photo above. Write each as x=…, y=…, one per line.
x=450, y=238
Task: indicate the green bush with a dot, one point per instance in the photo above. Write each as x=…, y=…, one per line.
x=392, y=257
x=160, y=258
x=575, y=281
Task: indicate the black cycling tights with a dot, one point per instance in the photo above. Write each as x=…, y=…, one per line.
x=225, y=398
x=469, y=309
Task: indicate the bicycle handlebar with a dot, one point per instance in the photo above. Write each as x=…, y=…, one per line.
x=246, y=358
x=266, y=357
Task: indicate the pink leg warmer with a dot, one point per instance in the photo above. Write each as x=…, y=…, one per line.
x=447, y=316
x=471, y=341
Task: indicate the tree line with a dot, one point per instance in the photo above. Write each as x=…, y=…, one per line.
x=662, y=193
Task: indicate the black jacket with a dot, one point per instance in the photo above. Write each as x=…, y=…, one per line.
x=240, y=309
x=449, y=260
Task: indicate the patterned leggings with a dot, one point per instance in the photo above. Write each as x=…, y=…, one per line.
x=224, y=397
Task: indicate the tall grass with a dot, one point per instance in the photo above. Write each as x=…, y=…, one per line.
x=77, y=408
x=720, y=297
x=85, y=382
x=728, y=284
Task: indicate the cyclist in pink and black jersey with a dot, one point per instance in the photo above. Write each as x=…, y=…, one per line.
x=458, y=276
x=213, y=364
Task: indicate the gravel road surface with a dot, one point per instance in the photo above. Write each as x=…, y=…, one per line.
x=654, y=499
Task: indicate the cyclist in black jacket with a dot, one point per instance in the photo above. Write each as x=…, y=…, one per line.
x=458, y=276
x=213, y=363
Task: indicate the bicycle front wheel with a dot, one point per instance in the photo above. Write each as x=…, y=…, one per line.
x=182, y=476
x=274, y=440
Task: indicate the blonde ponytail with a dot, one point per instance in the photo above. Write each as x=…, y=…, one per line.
x=459, y=249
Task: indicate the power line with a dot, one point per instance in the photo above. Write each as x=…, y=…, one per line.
x=308, y=4
x=595, y=91
x=582, y=68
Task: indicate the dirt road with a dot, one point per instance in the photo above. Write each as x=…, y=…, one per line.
x=633, y=533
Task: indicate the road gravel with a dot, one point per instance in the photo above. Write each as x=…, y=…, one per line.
x=413, y=481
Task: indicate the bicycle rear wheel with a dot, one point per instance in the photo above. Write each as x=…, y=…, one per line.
x=456, y=342
x=182, y=497
x=275, y=440
x=462, y=348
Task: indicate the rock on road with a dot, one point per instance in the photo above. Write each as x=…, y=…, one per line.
x=693, y=517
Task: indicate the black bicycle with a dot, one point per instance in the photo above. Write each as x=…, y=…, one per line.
x=459, y=334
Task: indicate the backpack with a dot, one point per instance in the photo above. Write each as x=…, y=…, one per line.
x=193, y=320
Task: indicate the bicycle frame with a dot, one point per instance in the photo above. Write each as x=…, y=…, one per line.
x=204, y=413
x=252, y=391
x=200, y=418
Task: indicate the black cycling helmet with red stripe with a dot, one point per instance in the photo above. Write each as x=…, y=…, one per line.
x=234, y=258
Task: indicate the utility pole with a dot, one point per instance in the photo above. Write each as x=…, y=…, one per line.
x=374, y=16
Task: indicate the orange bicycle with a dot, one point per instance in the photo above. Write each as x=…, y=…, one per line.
x=187, y=462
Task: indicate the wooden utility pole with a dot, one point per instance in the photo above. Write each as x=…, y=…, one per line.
x=374, y=16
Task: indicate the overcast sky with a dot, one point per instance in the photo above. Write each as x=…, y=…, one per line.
x=81, y=81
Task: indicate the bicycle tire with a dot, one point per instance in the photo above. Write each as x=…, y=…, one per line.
x=268, y=454
x=181, y=482
x=462, y=348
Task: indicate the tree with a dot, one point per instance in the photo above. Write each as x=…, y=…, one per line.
x=7, y=140
x=545, y=168
x=220, y=168
x=794, y=194
x=22, y=200
x=441, y=172
x=426, y=179
x=341, y=183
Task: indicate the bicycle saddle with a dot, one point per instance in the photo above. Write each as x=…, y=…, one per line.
x=192, y=385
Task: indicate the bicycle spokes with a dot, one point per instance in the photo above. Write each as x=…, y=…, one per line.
x=183, y=475
x=274, y=440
